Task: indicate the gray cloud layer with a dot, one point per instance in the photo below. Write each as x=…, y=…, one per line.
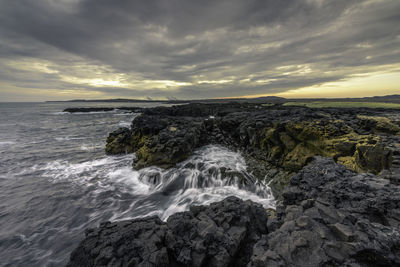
x=210, y=48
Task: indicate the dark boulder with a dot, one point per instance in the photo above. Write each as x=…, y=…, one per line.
x=126, y=243
x=221, y=234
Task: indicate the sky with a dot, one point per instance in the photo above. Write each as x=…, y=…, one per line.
x=184, y=49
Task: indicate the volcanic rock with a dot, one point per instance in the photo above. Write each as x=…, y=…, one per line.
x=221, y=234
x=329, y=216
x=278, y=138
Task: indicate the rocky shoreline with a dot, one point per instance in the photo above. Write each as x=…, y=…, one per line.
x=336, y=173
x=276, y=141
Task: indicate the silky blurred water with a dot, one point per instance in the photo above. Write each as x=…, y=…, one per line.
x=55, y=180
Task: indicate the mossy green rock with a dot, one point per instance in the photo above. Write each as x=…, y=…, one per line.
x=119, y=142
x=379, y=124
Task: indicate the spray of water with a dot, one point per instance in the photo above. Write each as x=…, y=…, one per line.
x=211, y=174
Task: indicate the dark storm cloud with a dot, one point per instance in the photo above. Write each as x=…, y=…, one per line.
x=292, y=43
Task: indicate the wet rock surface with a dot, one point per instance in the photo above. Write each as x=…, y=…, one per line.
x=277, y=141
x=328, y=216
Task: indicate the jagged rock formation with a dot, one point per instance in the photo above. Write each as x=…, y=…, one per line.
x=329, y=216
x=218, y=235
x=276, y=141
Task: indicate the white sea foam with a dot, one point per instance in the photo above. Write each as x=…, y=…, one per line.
x=123, y=113
x=6, y=143
x=94, y=112
x=90, y=147
x=124, y=124
x=68, y=138
x=104, y=172
x=155, y=191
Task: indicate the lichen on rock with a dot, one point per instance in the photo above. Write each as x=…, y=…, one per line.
x=379, y=124
x=120, y=142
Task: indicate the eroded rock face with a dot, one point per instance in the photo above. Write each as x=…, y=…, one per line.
x=329, y=216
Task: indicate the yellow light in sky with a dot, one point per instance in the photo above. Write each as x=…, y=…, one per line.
x=357, y=86
x=96, y=82
x=101, y=82
x=214, y=81
x=30, y=64
x=376, y=80
x=164, y=84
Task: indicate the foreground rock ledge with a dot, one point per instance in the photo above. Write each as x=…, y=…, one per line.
x=329, y=216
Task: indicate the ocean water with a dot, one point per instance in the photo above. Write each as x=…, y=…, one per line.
x=56, y=180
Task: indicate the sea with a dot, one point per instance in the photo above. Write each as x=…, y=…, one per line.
x=56, y=180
